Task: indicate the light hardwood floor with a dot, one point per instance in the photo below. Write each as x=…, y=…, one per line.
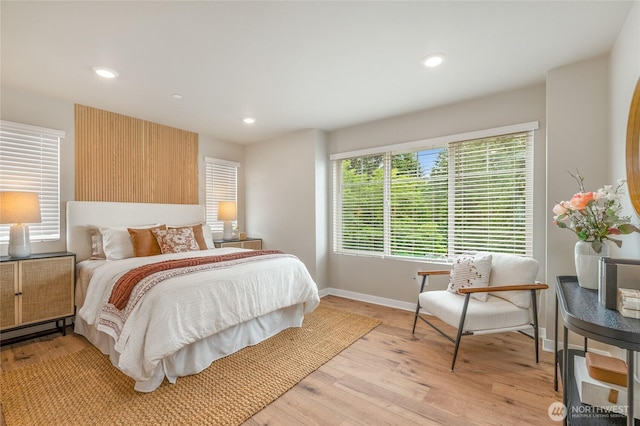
x=391, y=377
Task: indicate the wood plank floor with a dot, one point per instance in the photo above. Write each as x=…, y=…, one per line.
x=391, y=377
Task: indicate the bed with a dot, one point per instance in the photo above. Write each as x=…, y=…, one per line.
x=163, y=314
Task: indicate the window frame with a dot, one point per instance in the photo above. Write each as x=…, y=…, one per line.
x=221, y=183
x=413, y=147
x=23, y=149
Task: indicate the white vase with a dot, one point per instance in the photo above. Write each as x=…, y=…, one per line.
x=588, y=263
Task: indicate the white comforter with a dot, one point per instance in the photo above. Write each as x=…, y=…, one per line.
x=185, y=309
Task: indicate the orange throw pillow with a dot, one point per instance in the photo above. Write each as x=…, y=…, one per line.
x=144, y=241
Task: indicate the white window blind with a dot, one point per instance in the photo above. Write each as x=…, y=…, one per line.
x=419, y=206
x=490, y=203
x=222, y=185
x=360, y=194
x=437, y=201
x=30, y=162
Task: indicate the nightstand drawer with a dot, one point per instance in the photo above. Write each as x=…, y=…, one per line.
x=249, y=243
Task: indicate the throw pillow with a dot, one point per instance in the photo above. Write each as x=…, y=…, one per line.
x=176, y=240
x=144, y=241
x=198, y=233
x=470, y=271
x=97, y=250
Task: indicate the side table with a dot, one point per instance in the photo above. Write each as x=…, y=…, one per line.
x=583, y=314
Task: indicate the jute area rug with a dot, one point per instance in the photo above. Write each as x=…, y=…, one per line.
x=83, y=388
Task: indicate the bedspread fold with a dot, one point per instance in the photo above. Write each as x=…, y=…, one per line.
x=124, y=286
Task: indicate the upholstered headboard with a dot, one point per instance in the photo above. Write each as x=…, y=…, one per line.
x=80, y=214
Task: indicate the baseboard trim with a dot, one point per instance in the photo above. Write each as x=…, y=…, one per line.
x=548, y=346
x=382, y=301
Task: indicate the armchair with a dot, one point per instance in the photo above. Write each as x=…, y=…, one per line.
x=487, y=293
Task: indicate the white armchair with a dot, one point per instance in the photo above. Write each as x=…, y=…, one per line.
x=487, y=293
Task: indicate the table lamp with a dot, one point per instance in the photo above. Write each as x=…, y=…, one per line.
x=227, y=212
x=19, y=208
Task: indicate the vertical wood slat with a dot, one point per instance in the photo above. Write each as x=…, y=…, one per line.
x=120, y=158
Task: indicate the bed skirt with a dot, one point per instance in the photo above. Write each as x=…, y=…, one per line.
x=197, y=356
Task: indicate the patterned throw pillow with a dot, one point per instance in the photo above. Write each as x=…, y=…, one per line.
x=470, y=271
x=176, y=240
x=97, y=250
x=198, y=233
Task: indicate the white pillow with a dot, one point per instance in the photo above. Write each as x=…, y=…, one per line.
x=509, y=269
x=470, y=271
x=208, y=237
x=117, y=242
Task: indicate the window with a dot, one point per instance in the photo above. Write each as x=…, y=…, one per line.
x=491, y=208
x=30, y=162
x=222, y=185
x=435, y=199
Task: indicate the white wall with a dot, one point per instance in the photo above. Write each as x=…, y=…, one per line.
x=322, y=191
x=395, y=279
x=624, y=72
x=577, y=138
x=286, y=193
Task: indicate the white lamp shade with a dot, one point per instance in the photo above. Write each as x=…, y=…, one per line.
x=19, y=207
x=227, y=210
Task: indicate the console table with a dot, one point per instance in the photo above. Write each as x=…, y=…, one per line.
x=583, y=314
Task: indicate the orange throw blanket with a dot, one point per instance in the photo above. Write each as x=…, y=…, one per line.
x=125, y=284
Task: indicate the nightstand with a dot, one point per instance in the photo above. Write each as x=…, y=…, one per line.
x=35, y=290
x=249, y=243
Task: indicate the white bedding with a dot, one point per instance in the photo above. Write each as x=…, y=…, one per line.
x=183, y=310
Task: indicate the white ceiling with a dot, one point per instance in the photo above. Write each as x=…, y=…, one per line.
x=291, y=65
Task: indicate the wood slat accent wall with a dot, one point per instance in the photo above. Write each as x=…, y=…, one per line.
x=125, y=159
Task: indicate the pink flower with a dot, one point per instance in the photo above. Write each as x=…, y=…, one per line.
x=581, y=200
x=559, y=209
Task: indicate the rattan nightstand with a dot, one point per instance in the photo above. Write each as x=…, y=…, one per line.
x=35, y=290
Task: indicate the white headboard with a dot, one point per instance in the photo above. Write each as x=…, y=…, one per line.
x=83, y=213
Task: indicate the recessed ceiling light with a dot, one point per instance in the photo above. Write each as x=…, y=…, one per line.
x=105, y=72
x=433, y=60
x=176, y=96
x=248, y=120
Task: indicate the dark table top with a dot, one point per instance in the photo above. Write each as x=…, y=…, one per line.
x=584, y=314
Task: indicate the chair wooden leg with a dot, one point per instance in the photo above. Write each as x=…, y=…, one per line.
x=460, y=328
